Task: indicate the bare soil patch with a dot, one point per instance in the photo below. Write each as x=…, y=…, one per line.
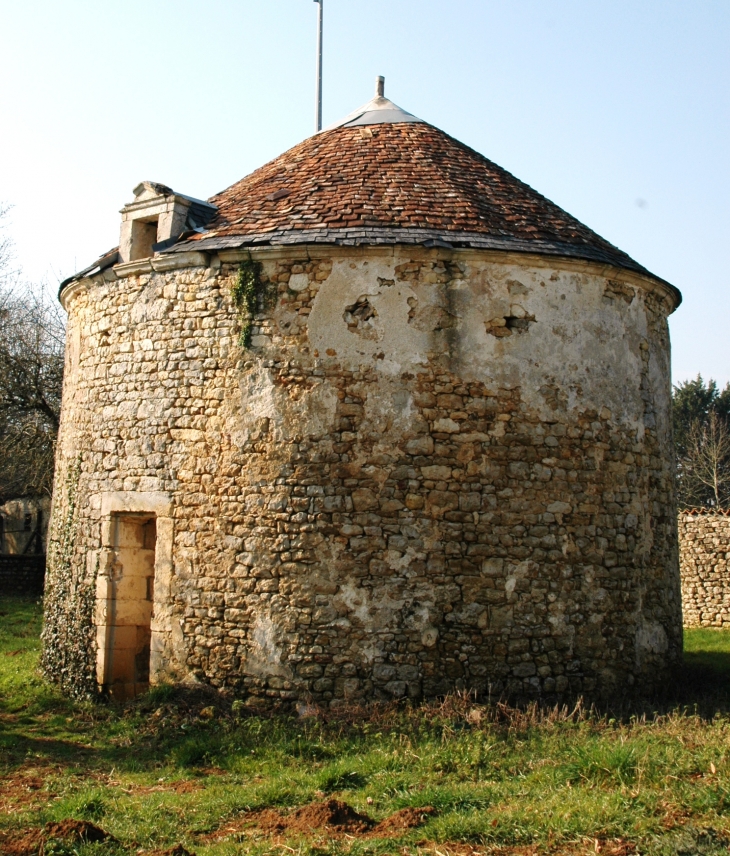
x=75, y=830
x=25, y=843
x=332, y=816
x=402, y=821
x=25, y=788
x=31, y=842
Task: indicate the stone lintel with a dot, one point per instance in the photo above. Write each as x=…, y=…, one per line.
x=179, y=260
x=154, y=207
x=152, y=502
x=131, y=268
x=149, y=208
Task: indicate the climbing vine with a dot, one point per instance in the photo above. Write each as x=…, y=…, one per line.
x=247, y=291
x=68, y=656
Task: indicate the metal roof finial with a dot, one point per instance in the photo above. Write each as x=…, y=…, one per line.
x=380, y=87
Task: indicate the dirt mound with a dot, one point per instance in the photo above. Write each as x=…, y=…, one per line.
x=75, y=830
x=403, y=820
x=27, y=843
x=32, y=842
x=333, y=816
x=266, y=820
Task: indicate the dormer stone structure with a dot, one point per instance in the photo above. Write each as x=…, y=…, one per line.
x=157, y=218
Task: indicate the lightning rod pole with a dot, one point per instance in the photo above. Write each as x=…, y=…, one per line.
x=318, y=114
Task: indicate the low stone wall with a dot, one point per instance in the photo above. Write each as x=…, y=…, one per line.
x=704, y=556
x=22, y=575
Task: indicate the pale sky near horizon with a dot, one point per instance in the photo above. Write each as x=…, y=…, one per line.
x=618, y=111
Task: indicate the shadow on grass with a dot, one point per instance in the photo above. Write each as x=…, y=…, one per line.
x=707, y=668
x=170, y=726
x=135, y=736
x=17, y=747
x=700, y=684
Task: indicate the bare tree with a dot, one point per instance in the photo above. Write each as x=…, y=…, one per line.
x=701, y=425
x=32, y=335
x=705, y=468
x=6, y=245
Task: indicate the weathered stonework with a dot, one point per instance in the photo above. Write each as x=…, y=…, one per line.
x=434, y=469
x=704, y=562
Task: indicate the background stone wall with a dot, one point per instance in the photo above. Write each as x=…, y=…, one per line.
x=432, y=470
x=704, y=561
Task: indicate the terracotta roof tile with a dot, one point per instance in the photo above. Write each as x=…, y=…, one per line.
x=403, y=182
x=382, y=176
x=399, y=176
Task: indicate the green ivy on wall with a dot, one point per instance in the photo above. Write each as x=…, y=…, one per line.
x=68, y=631
x=247, y=291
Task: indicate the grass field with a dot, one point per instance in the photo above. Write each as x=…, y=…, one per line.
x=218, y=778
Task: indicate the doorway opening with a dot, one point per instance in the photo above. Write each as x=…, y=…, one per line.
x=126, y=636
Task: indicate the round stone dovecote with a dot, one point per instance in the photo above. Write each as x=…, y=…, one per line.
x=441, y=459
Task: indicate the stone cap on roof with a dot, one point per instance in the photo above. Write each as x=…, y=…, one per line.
x=378, y=111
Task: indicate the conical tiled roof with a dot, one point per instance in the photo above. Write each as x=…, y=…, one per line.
x=382, y=175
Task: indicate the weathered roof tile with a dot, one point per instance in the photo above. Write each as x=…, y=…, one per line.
x=404, y=175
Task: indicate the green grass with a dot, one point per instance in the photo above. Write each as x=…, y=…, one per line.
x=20, y=625
x=163, y=770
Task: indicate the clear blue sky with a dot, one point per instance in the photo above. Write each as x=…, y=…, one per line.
x=616, y=110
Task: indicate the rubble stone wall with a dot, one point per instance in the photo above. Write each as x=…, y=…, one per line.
x=431, y=470
x=704, y=561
